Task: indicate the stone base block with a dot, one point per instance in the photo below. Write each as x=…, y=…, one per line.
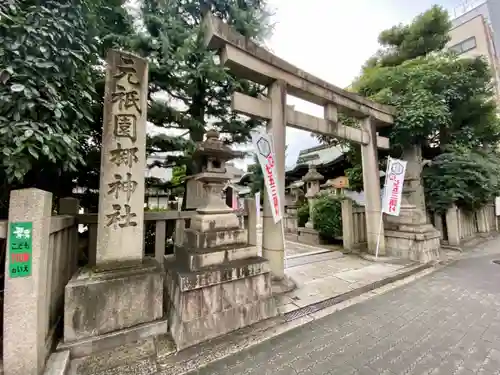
x=196, y=259
x=133, y=358
x=420, y=247
x=210, y=303
x=97, y=303
x=309, y=236
x=221, y=221
x=215, y=238
x=109, y=341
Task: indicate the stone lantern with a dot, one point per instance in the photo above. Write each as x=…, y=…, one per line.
x=212, y=156
x=215, y=267
x=312, y=181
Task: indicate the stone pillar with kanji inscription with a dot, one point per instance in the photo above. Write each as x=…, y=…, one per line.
x=122, y=294
x=123, y=160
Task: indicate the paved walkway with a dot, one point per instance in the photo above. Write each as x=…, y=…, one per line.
x=327, y=275
x=445, y=323
x=322, y=273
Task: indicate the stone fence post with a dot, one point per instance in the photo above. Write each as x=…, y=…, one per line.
x=347, y=224
x=438, y=223
x=251, y=210
x=25, y=312
x=453, y=226
x=482, y=221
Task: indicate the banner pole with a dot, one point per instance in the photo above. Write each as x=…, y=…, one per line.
x=284, y=242
x=382, y=208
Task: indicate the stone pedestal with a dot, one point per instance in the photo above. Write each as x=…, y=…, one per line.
x=309, y=236
x=217, y=283
x=104, y=302
x=409, y=236
x=217, y=299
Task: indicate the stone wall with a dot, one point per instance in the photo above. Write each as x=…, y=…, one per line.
x=458, y=225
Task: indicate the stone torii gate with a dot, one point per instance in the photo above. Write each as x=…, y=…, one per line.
x=248, y=60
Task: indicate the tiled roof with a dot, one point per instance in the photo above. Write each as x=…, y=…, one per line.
x=318, y=155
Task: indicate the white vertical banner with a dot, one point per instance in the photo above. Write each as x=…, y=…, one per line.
x=264, y=146
x=257, y=206
x=393, y=189
x=394, y=179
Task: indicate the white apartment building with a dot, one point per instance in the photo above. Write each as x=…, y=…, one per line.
x=476, y=32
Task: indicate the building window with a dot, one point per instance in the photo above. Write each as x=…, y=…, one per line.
x=464, y=46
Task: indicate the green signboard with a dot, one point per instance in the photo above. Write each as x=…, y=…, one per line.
x=20, y=249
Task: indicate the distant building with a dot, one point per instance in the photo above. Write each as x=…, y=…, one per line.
x=476, y=32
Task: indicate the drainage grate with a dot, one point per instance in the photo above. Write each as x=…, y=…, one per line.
x=310, y=309
x=496, y=261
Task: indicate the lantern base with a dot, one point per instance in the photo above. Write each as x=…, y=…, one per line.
x=409, y=236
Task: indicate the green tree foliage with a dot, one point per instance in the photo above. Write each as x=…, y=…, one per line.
x=177, y=181
x=303, y=214
x=465, y=177
x=257, y=183
x=47, y=89
x=443, y=101
x=440, y=99
x=189, y=89
x=51, y=90
x=327, y=213
x=427, y=33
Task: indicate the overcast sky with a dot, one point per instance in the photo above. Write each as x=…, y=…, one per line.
x=332, y=39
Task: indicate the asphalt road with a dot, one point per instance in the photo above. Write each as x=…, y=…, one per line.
x=445, y=323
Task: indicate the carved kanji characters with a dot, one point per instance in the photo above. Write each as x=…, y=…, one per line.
x=126, y=186
x=124, y=156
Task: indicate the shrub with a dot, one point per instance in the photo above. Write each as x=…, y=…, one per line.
x=470, y=179
x=303, y=214
x=327, y=214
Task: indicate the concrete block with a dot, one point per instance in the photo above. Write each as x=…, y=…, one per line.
x=104, y=302
x=212, y=239
x=199, y=259
x=128, y=354
x=108, y=341
x=189, y=280
x=214, y=222
x=309, y=236
x=58, y=363
x=210, y=303
x=420, y=247
x=197, y=303
x=189, y=333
